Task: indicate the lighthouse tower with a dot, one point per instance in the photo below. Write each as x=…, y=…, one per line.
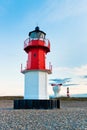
x=35, y=73
x=36, y=47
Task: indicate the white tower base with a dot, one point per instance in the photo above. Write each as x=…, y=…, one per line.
x=36, y=85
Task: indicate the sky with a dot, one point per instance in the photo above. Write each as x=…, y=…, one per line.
x=65, y=24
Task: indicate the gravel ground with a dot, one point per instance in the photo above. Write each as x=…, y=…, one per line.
x=71, y=116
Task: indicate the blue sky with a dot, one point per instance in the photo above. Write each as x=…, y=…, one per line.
x=65, y=23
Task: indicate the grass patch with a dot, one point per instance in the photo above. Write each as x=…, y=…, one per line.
x=73, y=98
x=61, y=98
x=11, y=97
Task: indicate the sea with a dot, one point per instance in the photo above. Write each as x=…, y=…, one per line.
x=79, y=95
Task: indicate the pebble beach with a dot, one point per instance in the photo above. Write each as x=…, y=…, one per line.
x=71, y=116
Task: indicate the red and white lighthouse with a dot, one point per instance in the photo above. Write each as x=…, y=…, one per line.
x=36, y=73
x=36, y=81
x=68, y=95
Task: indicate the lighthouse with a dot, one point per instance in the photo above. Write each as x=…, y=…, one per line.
x=68, y=95
x=36, y=73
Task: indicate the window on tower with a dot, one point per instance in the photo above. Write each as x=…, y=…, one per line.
x=34, y=54
x=37, y=35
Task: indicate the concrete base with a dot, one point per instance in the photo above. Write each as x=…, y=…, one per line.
x=36, y=104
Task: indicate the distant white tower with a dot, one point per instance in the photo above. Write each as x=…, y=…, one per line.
x=56, y=89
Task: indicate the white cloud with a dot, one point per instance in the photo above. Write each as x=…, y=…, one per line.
x=70, y=72
x=81, y=71
x=76, y=74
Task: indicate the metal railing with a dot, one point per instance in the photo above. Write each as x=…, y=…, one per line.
x=23, y=69
x=28, y=42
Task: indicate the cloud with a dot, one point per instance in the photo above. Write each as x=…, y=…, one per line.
x=70, y=85
x=74, y=76
x=81, y=71
x=77, y=75
x=65, y=82
x=85, y=76
x=60, y=81
x=74, y=71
